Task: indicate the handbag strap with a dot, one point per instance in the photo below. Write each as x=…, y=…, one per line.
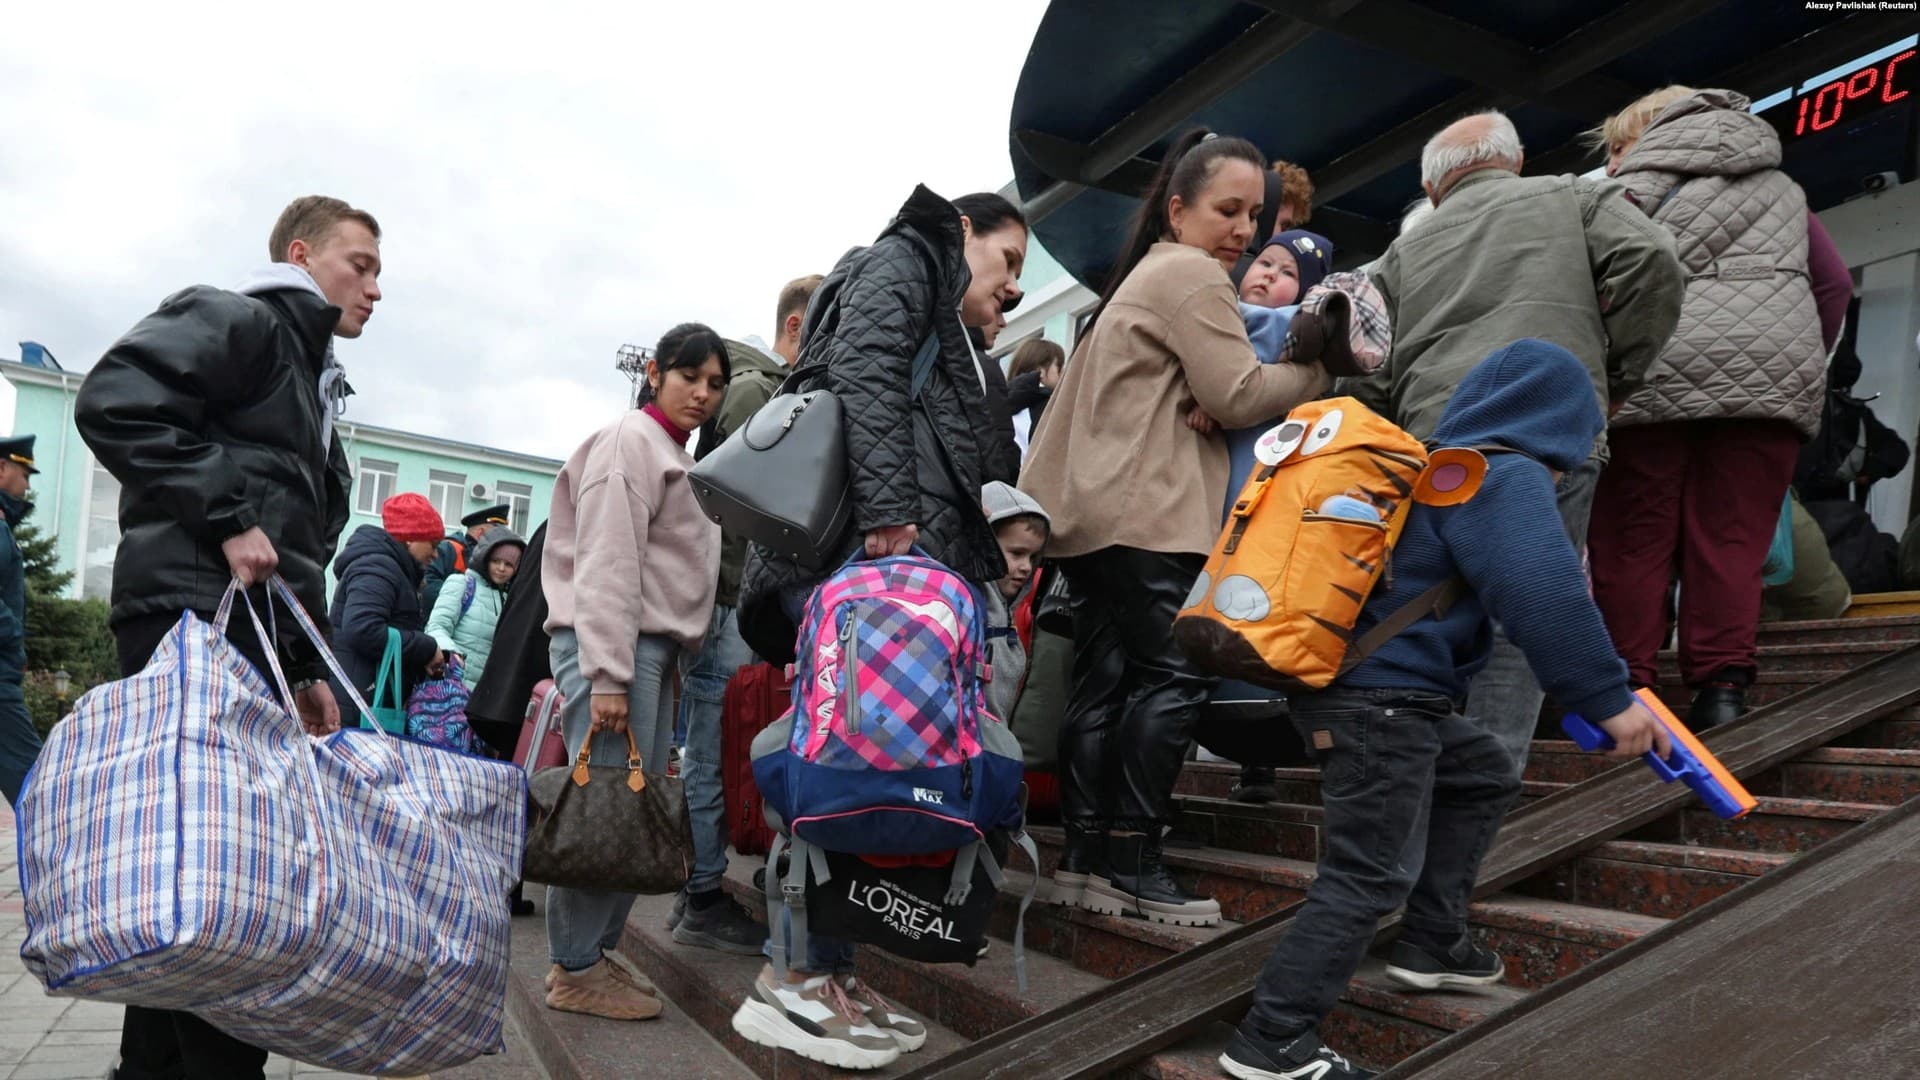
x=920, y=372
x=636, y=779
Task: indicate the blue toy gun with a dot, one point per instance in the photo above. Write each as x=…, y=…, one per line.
x=1689, y=762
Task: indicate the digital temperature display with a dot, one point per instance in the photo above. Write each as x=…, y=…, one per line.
x=1849, y=97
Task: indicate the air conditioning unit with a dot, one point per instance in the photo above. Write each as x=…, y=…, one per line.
x=483, y=493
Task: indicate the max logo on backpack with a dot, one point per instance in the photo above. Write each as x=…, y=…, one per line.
x=898, y=761
x=1309, y=537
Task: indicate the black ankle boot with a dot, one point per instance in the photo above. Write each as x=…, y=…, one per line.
x=1715, y=704
x=1138, y=883
x=1084, y=859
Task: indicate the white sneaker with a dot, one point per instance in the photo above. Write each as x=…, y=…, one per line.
x=816, y=1020
x=911, y=1034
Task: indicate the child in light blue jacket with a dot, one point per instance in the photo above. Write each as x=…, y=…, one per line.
x=468, y=608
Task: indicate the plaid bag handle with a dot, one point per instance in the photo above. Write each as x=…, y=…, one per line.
x=305, y=622
x=224, y=614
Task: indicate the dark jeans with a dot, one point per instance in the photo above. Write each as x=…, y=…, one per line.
x=1413, y=795
x=19, y=740
x=1136, y=696
x=1695, y=501
x=161, y=1044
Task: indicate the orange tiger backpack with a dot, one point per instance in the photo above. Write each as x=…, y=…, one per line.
x=1277, y=601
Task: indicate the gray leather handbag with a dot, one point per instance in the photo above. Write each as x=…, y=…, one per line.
x=781, y=480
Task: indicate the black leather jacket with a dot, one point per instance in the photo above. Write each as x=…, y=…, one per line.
x=912, y=461
x=208, y=412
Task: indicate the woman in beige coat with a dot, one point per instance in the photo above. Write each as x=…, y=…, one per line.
x=1135, y=493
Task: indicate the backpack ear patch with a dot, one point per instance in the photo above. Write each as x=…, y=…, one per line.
x=1277, y=443
x=1453, y=475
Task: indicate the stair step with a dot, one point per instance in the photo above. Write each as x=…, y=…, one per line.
x=1543, y=937
x=570, y=1046
x=707, y=986
x=976, y=1001
x=1651, y=879
x=1777, y=824
x=1884, y=775
x=1294, y=784
x=1895, y=628
x=1833, y=658
x=1895, y=733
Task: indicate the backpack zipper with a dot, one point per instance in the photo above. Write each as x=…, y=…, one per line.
x=849, y=683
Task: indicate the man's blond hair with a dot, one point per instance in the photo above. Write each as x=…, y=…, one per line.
x=794, y=296
x=312, y=218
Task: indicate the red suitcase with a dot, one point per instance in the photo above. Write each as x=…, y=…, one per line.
x=542, y=744
x=756, y=696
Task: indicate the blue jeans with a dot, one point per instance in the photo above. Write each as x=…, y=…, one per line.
x=1413, y=795
x=584, y=923
x=825, y=955
x=703, y=687
x=1505, y=698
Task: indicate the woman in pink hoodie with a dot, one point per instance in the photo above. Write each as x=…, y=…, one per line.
x=629, y=572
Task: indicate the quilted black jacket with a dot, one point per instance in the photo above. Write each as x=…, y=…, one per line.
x=911, y=461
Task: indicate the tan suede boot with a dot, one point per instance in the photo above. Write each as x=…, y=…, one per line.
x=597, y=991
x=622, y=969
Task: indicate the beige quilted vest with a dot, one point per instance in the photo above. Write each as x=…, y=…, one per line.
x=1748, y=343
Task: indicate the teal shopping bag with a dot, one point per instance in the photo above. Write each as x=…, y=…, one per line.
x=389, y=706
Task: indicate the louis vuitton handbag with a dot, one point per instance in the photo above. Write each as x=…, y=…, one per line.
x=611, y=827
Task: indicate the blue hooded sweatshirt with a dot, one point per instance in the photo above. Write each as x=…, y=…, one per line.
x=1507, y=543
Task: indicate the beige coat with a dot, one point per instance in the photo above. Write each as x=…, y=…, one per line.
x=1113, y=460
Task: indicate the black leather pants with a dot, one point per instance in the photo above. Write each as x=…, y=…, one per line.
x=1136, y=697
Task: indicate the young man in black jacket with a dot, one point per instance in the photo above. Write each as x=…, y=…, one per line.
x=216, y=413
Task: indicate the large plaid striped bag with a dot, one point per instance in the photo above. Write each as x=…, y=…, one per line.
x=340, y=900
x=890, y=750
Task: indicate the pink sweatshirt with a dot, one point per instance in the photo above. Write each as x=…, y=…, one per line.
x=628, y=550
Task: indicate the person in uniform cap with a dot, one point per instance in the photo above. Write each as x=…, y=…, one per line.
x=457, y=549
x=19, y=742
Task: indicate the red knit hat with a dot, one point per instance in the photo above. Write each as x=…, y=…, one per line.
x=408, y=517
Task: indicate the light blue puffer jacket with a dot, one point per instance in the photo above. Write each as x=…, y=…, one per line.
x=470, y=633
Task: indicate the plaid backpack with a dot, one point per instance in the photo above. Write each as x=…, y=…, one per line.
x=890, y=749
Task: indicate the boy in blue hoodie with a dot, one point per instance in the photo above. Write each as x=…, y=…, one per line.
x=1414, y=791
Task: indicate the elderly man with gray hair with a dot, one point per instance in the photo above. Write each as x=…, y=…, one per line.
x=1503, y=257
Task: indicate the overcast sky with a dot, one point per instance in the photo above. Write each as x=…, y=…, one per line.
x=551, y=183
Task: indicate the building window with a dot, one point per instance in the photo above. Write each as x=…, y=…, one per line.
x=519, y=500
x=103, y=534
x=375, y=485
x=447, y=491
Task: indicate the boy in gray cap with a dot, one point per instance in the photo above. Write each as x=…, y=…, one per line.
x=1021, y=526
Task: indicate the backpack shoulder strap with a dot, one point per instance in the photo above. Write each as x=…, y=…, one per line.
x=466, y=599
x=923, y=364
x=1434, y=601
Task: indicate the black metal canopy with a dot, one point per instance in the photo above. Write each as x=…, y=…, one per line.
x=1351, y=89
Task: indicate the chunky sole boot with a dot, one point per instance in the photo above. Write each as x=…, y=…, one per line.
x=1138, y=884
x=1083, y=862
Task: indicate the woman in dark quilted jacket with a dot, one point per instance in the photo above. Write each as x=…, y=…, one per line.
x=1703, y=452
x=940, y=269
x=915, y=471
